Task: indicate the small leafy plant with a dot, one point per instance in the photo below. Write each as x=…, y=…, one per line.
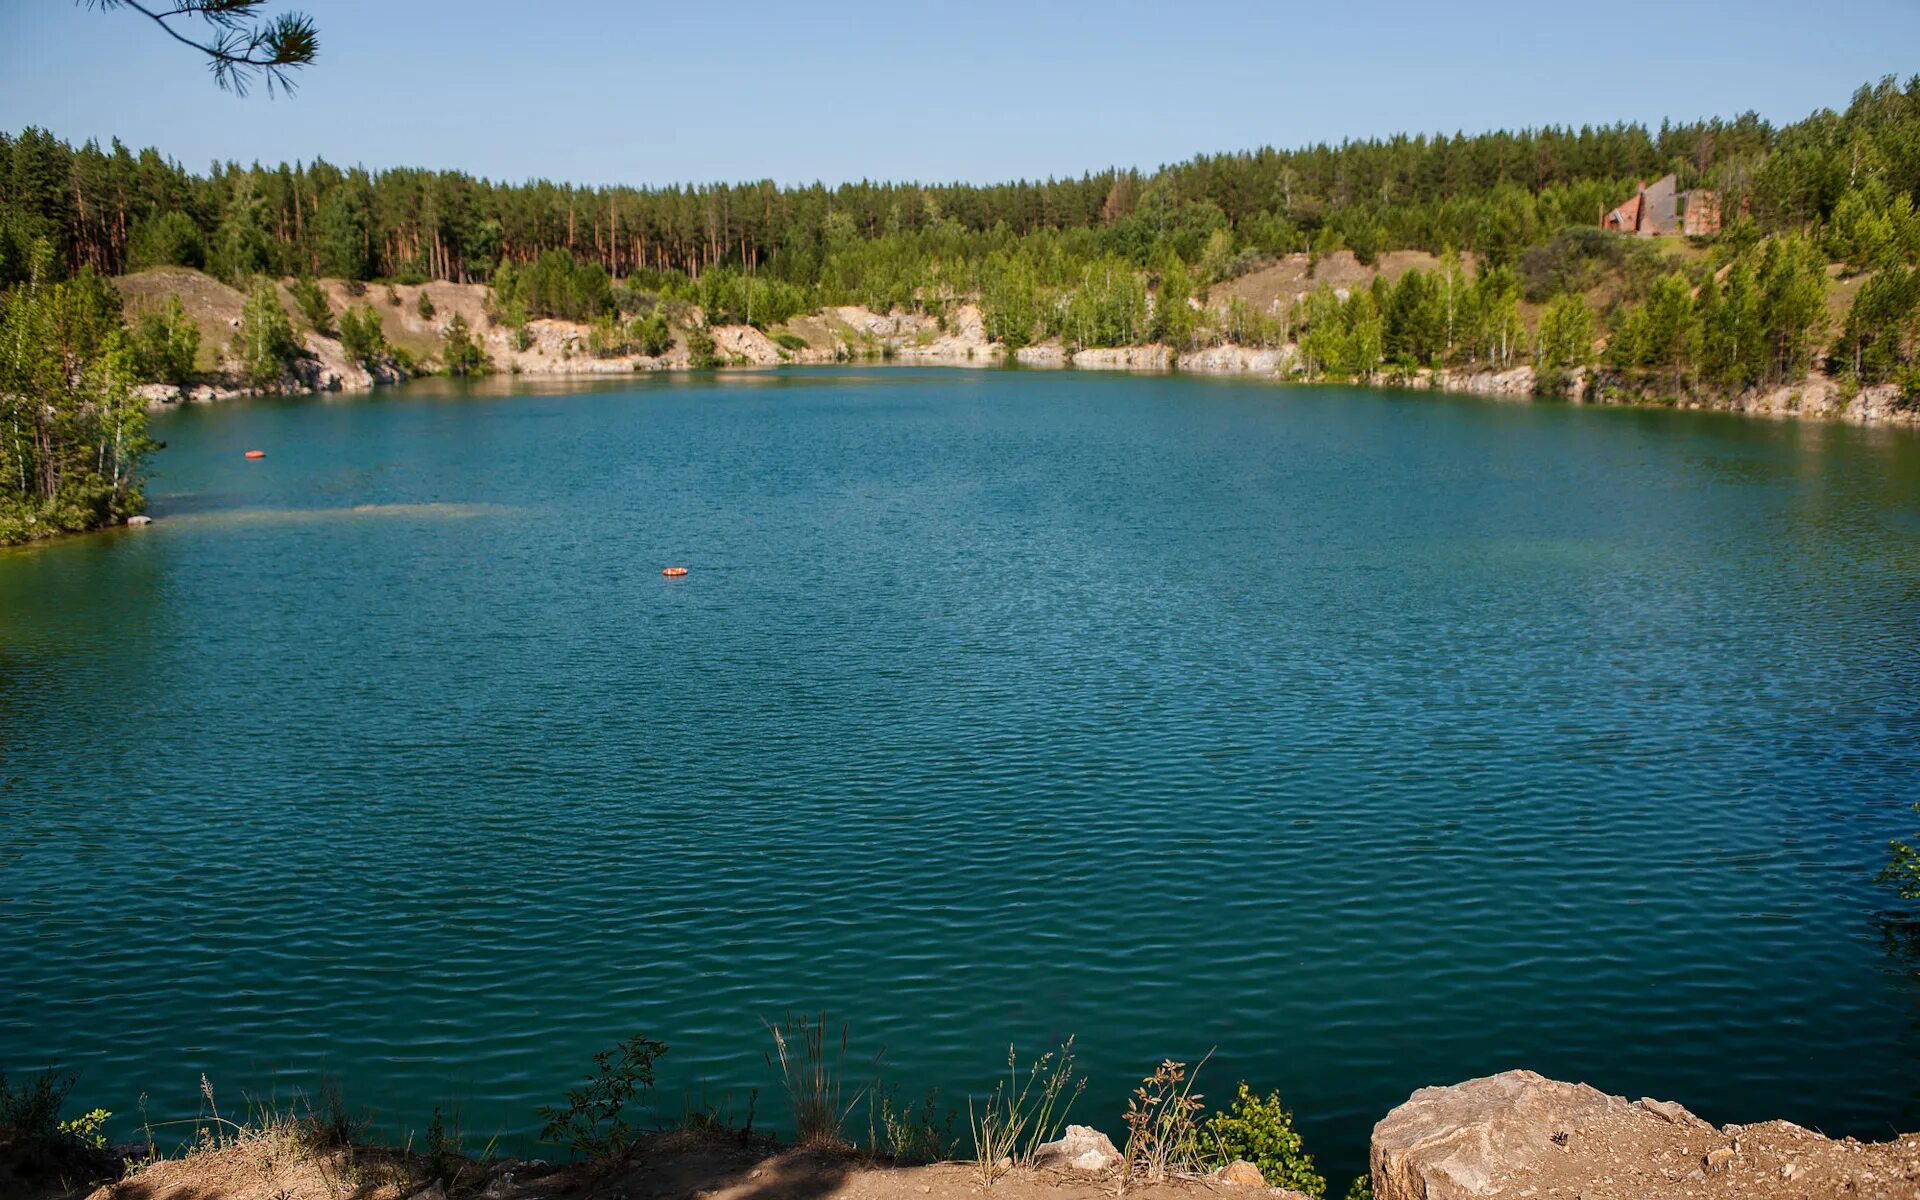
x=1161, y=1132
x=912, y=1134
x=594, y=1123
x=1902, y=872
x=1260, y=1130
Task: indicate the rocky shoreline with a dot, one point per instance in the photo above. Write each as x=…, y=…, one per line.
x=851, y=334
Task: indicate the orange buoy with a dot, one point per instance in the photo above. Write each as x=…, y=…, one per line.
x=674, y=572
x=256, y=454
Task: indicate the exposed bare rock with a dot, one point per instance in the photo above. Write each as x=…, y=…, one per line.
x=1240, y=360
x=1670, y=1112
x=745, y=346
x=157, y=395
x=1046, y=354
x=964, y=340
x=1518, y=1134
x=1519, y=381
x=1125, y=358
x=1081, y=1148
x=1239, y=1173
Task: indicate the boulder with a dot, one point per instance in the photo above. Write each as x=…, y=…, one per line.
x=1239, y=1173
x=140, y=519
x=1518, y=1136
x=1081, y=1148
x=1450, y=1143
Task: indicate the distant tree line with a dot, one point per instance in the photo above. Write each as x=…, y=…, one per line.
x=1489, y=194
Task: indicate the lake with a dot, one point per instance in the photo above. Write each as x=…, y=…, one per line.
x=1378, y=739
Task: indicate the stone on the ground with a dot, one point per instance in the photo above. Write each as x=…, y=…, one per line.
x=1081, y=1148
x=140, y=519
x=1451, y=1143
x=1240, y=1173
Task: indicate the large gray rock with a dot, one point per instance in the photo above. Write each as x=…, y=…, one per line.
x=1458, y=1142
x=1517, y=1136
x=1081, y=1148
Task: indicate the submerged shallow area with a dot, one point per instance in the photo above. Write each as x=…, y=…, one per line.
x=1378, y=739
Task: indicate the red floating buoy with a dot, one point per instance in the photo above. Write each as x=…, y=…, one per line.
x=256, y=454
x=674, y=572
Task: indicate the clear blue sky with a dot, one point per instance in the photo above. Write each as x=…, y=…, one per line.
x=605, y=91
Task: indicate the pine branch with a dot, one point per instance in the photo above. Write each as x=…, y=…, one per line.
x=240, y=48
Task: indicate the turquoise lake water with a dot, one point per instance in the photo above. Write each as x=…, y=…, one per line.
x=1376, y=739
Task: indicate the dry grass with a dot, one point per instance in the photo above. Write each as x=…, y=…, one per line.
x=1023, y=1113
x=813, y=1069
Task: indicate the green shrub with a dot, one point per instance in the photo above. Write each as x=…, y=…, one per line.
x=30, y=1121
x=702, y=353
x=265, y=344
x=459, y=353
x=169, y=239
x=424, y=305
x=654, y=334
x=361, y=335
x=1361, y=1188
x=789, y=341
x=1261, y=1131
x=165, y=345
x=594, y=1122
x=312, y=303
x=914, y=1134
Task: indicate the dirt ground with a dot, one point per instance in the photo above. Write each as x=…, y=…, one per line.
x=680, y=1168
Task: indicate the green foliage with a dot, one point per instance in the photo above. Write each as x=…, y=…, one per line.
x=554, y=285
x=1881, y=336
x=361, y=335
x=1245, y=326
x=1902, y=872
x=913, y=1134
x=460, y=354
x=1361, y=1188
x=702, y=353
x=1260, y=1130
x=1874, y=228
x=165, y=345
x=424, y=306
x=265, y=346
x=786, y=341
x=72, y=434
x=1760, y=325
x=165, y=239
x=594, y=1122
x=88, y=1129
x=1565, y=340
x=30, y=1112
x=31, y=1126
x=340, y=235
x=731, y=298
x=312, y=302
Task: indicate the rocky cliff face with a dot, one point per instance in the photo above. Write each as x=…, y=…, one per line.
x=1518, y=1134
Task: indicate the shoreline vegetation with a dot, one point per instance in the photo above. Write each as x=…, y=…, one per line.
x=849, y=1134
x=1506, y=263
